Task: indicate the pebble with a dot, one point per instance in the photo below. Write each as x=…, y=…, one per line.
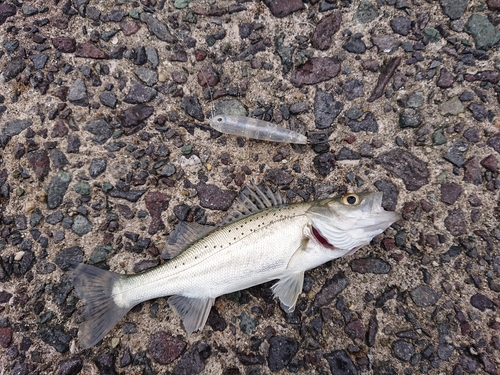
x=78, y=93
x=247, y=323
x=100, y=129
x=481, y=302
x=57, y=189
x=158, y=28
x=39, y=160
x=105, y=363
x=370, y=265
x=490, y=163
x=148, y=76
x=386, y=43
x=324, y=163
x=455, y=222
x=401, y=25
x=455, y=153
x=191, y=105
x=90, y=51
x=81, y=225
x=485, y=35
x=39, y=60
x=278, y=176
x=330, y=290
x=365, y=12
x=69, y=257
x=340, y=363
x=353, y=89
x=472, y=172
x=6, y=336
x=452, y=107
x=56, y=337
x=355, y=44
x=156, y=203
x=64, y=44
x=97, y=167
x=7, y=10
x=326, y=109
x=453, y=9
x=445, y=79
x=100, y=253
x=316, y=70
x=424, y=296
x=54, y=218
x=130, y=195
x=410, y=118
x=71, y=366
x=135, y=115
x=479, y=111
x=368, y=123
x=406, y=166
x=193, y=360
x=282, y=8
x=139, y=94
x=108, y=99
x=13, y=68
x=214, y=198
x=450, y=193
x=325, y=30
x=164, y=348
x=402, y=350
x=129, y=27
x=281, y=351
x=12, y=128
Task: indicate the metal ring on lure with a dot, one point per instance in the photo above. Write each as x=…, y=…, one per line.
x=254, y=128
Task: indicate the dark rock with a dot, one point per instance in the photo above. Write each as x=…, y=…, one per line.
x=39, y=60
x=385, y=43
x=455, y=153
x=472, y=172
x=324, y=163
x=73, y=144
x=164, y=348
x=69, y=257
x=90, y=51
x=353, y=89
x=355, y=44
x=281, y=351
x=410, y=118
x=191, y=105
x=282, y=8
x=57, y=189
x=5, y=336
x=101, y=129
x=326, y=109
x=340, y=363
x=6, y=10
x=493, y=5
x=406, y=166
x=97, y=167
x=445, y=79
x=71, y=366
x=130, y=195
x=216, y=321
x=108, y=99
x=346, y=153
x=424, y=296
x=193, y=360
x=139, y=94
x=365, y=12
x=134, y=116
x=472, y=134
x=330, y=290
x=455, y=222
x=402, y=350
x=450, y=192
x=479, y=111
x=454, y=9
x=106, y=364
x=78, y=93
x=481, y=302
x=368, y=123
x=158, y=28
x=156, y=203
x=13, y=67
x=278, y=176
x=54, y=218
x=370, y=265
x=55, y=337
x=15, y=127
x=39, y=159
x=64, y=44
x=391, y=192
x=490, y=163
x=325, y=29
x=148, y=76
x=100, y=254
x=484, y=33
x=114, y=15
x=401, y=25
x=214, y=198
x=81, y=225
x=316, y=70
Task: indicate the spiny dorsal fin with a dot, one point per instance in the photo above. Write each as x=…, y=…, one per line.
x=183, y=235
x=253, y=199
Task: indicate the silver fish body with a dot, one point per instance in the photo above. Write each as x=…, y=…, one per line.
x=278, y=242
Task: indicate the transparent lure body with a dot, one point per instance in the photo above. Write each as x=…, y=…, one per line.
x=254, y=128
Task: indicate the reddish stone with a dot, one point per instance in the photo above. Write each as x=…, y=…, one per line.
x=89, y=50
x=156, y=203
x=5, y=337
x=129, y=27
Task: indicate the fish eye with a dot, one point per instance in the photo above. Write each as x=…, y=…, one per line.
x=350, y=199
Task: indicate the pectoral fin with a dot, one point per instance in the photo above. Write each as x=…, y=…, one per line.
x=193, y=311
x=288, y=289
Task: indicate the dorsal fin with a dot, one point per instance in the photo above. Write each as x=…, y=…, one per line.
x=253, y=199
x=183, y=235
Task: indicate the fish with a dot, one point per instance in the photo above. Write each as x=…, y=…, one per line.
x=264, y=239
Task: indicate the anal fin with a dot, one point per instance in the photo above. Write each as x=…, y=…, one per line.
x=288, y=289
x=193, y=311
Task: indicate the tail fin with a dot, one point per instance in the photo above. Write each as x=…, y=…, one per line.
x=94, y=287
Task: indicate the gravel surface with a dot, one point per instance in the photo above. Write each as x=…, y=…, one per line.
x=106, y=144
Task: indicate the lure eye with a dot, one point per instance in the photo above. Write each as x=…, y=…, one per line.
x=350, y=199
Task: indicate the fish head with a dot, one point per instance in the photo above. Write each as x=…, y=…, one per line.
x=351, y=221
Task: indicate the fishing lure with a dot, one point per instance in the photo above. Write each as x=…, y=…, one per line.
x=250, y=127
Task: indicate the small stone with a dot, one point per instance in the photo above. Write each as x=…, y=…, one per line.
x=278, y=177
x=281, y=351
x=13, y=68
x=484, y=33
x=97, y=167
x=134, y=116
x=353, y=89
x=454, y=9
x=139, y=94
x=81, y=225
x=401, y=25
x=232, y=107
x=472, y=172
x=39, y=60
x=6, y=336
x=385, y=43
x=69, y=257
x=406, y=166
x=106, y=363
x=324, y=163
x=481, y=302
x=346, y=153
x=158, y=28
x=472, y=134
x=455, y=153
x=214, y=198
x=193, y=360
x=90, y=51
x=490, y=163
x=55, y=337
x=129, y=27
x=39, y=159
x=64, y=44
x=355, y=44
x=403, y=350
x=100, y=254
x=130, y=195
x=370, y=265
x=455, y=222
x=316, y=70
x=452, y=107
x=479, y=111
x=57, y=189
x=6, y=10
x=330, y=290
x=70, y=366
x=282, y=8
x=156, y=203
x=410, y=118
x=78, y=93
x=12, y=128
x=148, y=76
x=368, y=123
x=164, y=348
x=326, y=109
x=191, y=105
x=101, y=129
x=325, y=29
x=438, y=137
x=365, y=12
x=108, y=99
x=445, y=79
x=450, y=192
x=424, y=296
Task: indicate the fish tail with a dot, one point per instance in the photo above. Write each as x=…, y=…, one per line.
x=96, y=288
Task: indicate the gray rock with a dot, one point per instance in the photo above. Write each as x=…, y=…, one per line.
x=191, y=105
x=452, y=107
x=6, y=10
x=39, y=60
x=330, y=290
x=108, y=99
x=341, y=363
x=391, y=192
x=232, y=107
x=368, y=123
x=135, y=115
x=152, y=55
x=148, y=76
x=454, y=8
x=481, y=302
x=69, y=258
x=386, y=43
x=214, y=198
x=346, y=153
x=193, y=360
x=410, y=118
x=282, y=8
x=325, y=29
x=484, y=33
x=130, y=195
x=57, y=189
x=455, y=153
x=70, y=366
x=14, y=67
x=406, y=166
x=324, y=163
x=424, y=296
x=139, y=93
x=58, y=158
x=158, y=28
x=450, y=192
x=403, y=350
x=455, y=222
x=326, y=109
x=54, y=218
x=370, y=265
x=97, y=167
x=355, y=44
x=101, y=129
x=100, y=254
x=56, y=337
x=401, y=25
x=278, y=176
x=78, y=93
x=365, y=12
x=81, y=225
